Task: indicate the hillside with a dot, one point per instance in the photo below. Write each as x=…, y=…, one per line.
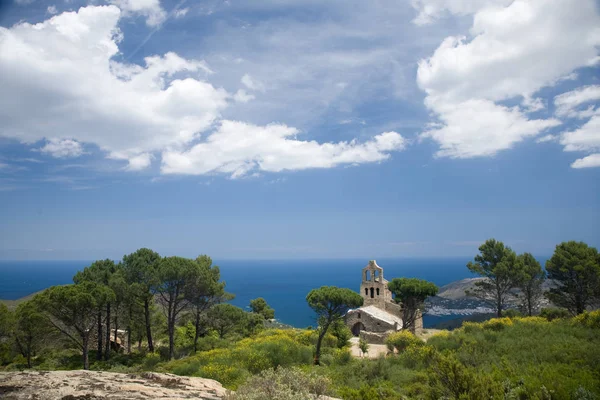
x=12, y=304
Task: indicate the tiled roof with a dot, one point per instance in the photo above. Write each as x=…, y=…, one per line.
x=380, y=314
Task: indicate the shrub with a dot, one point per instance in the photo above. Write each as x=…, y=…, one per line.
x=282, y=384
x=588, y=319
x=401, y=340
x=511, y=313
x=553, y=313
x=151, y=361
x=497, y=324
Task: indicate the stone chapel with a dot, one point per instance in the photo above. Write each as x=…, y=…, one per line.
x=380, y=315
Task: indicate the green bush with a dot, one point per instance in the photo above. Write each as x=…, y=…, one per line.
x=399, y=341
x=282, y=384
x=553, y=313
x=588, y=319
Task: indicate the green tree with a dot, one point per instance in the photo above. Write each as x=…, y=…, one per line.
x=5, y=321
x=140, y=273
x=172, y=276
x=261, y=307
x=330, y=303
x=30, y=329
x=226, y=318
x=203, y=290
x=498, y=265
x=530, y=282
x=100, y=272
x=123, y=297
x=363, y=345
x=341, y=332
x=575, y=270
x=412, y=293
x=6, y=331
x=72, y=310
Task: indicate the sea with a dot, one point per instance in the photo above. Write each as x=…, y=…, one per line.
x=284, y=284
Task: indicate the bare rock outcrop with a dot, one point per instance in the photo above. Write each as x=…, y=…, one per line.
x=96, y=385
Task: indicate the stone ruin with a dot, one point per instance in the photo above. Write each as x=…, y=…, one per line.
x=380, y=315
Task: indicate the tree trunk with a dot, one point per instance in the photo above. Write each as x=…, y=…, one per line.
x=100, y=348
x=116, y=331
x=499, y=308
x=129, y=339
x=107, y=346
x=86, y=341
x=171, y=339
x=148, y=327
x=529, y=305
x=319, y=341
x=29, y=346
x=197, y=335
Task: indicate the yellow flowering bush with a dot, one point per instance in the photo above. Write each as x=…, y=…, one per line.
x=497, y=324
x=401, y=340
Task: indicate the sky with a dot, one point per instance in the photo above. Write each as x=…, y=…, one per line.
x=297, y=128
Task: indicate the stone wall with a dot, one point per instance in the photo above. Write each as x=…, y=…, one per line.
x=374, y=338
x=370, y=324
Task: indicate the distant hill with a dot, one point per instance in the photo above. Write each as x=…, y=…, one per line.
x=12, y=304
x=456, y=290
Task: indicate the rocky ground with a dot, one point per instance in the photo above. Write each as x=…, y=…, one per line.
x=96, y=385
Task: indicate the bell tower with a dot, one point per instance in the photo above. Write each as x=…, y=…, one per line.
x=374, y=288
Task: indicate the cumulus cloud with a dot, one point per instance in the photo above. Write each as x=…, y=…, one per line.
x=585, y=138
x=241, y=96
x=567, y=104
x=62, y=148
x=59, y=80
x=547, y=138
x=431, y=10
x=467, y=79
x=477, y=127
x=139, y=162
x=252, y=84
x=238, y=149
x=593, y=160
x=51, y=10
x=151, y=9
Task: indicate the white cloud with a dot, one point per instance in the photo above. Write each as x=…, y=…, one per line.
x=151, y=9
x=567, y=103
x=181, y=12
x=475, y=128
x=431, y=10
x=62, y=148
x=51, y=10
x=547, y=138
x=591, y=161
x=140, y=162
x=466, y=79
x=239, y=149
x=58, y=80
x=241, y=96
x=585, y=138
x=252, y=84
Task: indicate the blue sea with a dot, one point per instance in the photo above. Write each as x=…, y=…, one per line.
x=283, y=283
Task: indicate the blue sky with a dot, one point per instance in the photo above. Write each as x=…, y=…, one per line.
x=297, y=129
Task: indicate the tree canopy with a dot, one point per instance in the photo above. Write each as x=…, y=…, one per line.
x=498, y=265
x=330, y=303
x=575, y=269
x=412, y=293
x=530, y=281
x=261, y=307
